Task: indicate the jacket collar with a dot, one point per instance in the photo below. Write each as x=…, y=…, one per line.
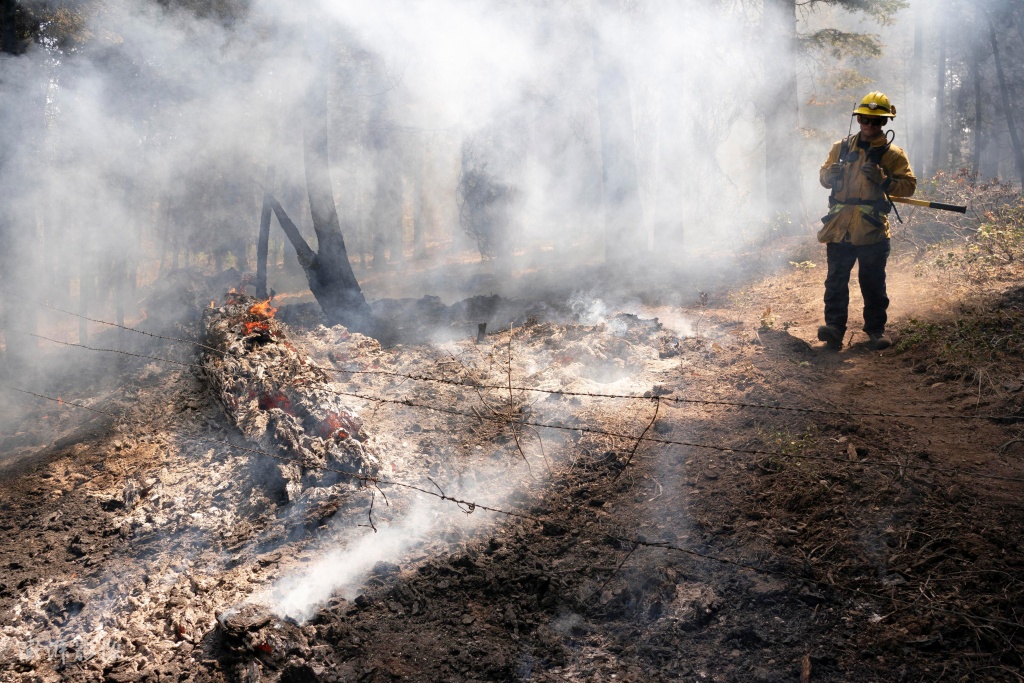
x=880, y=141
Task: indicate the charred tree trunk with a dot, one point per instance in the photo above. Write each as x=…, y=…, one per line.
x=1018, y=155
x=263, y=240
x=328, y=271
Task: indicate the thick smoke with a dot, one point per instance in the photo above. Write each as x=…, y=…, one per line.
x=150, y=133
x=141, y=140
x=342, y=571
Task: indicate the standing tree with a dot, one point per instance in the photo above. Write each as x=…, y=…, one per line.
x=938, y=158
x=1008, y=107
x=917, y=79
x=328, y=269
x=23, y=112
x=263, y=239
x=625, y=232
x=780, y=104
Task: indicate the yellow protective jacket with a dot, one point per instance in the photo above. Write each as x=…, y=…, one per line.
x=855, y=207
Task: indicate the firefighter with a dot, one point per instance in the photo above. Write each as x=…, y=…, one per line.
x=862, y=171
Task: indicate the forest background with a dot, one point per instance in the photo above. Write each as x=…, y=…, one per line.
x=141, y=138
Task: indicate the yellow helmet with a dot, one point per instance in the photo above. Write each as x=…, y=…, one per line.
x=876, y=104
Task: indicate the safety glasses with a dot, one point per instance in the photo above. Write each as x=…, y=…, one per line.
x=871, y=120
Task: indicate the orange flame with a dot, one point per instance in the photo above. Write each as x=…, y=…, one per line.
x=262, y=309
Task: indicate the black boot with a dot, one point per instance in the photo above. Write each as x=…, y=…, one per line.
x=832, y=336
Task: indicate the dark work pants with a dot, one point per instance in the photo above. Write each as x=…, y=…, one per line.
x=871, y=273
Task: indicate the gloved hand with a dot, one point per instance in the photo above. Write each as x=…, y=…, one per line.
x=833, y=173
x=873, y=172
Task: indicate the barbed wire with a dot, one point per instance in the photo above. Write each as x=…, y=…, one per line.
x=584, y=429
x=131, y=329
x=469, y=507
x=584, y=394
x=675, y=399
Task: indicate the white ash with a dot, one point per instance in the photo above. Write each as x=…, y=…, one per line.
x=282, y=401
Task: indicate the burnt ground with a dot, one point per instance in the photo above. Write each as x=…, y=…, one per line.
x=789, y=513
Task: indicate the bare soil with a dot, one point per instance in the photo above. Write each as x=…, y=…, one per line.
x=696, y=490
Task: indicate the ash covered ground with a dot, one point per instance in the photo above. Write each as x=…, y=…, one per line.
x=572, y=497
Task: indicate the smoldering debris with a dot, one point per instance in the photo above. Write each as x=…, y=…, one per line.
x=281, y=400
x=171, y=548
x=256, y=641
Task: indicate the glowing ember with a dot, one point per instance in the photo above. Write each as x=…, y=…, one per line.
x=279, y=401
x=336, y=426
x=257, y=326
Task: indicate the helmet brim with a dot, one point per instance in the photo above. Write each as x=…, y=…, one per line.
x=877, y=111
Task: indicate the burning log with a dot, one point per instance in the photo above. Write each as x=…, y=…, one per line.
x=279, y=399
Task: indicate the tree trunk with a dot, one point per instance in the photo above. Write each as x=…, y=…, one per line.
x=781, y=107
x=917, y=72
x=938, y=159
x=976, y=78
x=625, y=233
x=1018, y=155
x=386, y=213
x=668, y=222
x=8, y=30
x=21, y=138
x=84, y=295
x=329, y=274
x=419, y=205
x=263, y=241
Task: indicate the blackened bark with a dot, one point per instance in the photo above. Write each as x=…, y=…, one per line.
x=263, y=241
x=8, y=30
x=330, y=274
x=306, y=256
x=341, y=303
